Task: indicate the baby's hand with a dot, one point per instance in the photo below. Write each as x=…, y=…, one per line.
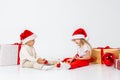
x=42, y=61
x=45, y=61
x=76, y=56
x=69, y=61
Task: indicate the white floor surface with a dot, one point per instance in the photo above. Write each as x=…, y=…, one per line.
x=92, y=72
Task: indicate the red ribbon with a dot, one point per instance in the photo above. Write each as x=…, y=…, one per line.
x=102, y=51
x=107, y=47
x=19, y=47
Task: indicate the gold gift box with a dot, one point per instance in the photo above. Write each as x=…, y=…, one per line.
x=119, y=56
x=119, y=53
x=97, y=54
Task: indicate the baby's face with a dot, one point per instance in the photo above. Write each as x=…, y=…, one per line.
x=77, y=41
x=30, y=43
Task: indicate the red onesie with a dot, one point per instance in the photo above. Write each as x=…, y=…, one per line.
x=80, y=52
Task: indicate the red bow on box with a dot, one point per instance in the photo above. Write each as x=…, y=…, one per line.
x=107, y=47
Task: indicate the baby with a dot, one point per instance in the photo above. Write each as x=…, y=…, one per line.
x=28, y=56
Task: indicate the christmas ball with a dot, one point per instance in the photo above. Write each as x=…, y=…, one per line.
x=108, y=59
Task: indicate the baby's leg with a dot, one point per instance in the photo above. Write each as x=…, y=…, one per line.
x=30, y=64
x=51, y=62
x=27, y=64
x=37, y=65
x=48, y=67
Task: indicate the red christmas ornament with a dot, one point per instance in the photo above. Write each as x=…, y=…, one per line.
x=108, y=59
x=58, y=65
x=46, y=62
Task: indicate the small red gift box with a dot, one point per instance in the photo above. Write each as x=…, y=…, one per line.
x=97, y=54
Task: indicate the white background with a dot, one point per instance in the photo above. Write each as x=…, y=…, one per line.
x=55, y=20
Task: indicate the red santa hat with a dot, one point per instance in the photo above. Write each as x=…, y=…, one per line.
x=26, y=36
x=79, y=33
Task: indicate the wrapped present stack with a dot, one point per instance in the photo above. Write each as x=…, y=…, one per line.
x=97, y=54
x=9, y=54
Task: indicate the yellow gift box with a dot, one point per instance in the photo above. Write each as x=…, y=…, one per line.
x=119, y=53
x=97, y=54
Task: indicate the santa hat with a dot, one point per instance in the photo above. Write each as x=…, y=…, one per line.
x=79, y=33
x=26, y=36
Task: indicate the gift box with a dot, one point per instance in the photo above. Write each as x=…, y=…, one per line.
x=97, y=54
x=119, y=56
x=117, y=64
x=9, y=54
x=119, y=53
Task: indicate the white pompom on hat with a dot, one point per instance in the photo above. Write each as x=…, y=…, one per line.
x=26, y=36
x=79, y=33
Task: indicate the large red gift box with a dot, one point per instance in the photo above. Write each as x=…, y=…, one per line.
x=10, y=54
x=97, y=54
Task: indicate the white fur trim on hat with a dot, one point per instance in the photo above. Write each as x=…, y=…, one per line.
x=32, y=37
x=78, y=36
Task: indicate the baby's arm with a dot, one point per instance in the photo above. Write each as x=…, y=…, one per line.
x=41, y=60
x=86, y=56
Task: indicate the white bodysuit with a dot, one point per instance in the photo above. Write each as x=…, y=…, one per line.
x=82, y=50
x=28, y=58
